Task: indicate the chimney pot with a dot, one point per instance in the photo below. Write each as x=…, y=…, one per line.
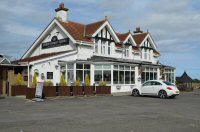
x=138, y=30
x=62, y=6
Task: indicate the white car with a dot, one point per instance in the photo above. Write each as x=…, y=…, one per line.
x=161, y=89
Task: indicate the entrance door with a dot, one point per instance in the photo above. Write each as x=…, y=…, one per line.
x=1, y=81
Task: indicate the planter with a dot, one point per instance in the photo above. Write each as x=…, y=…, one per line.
x=30, y=93
x=88, y=90
x=103, y=89
x=77, y=90
x=64, y=91
x=49, y=91
x=18, y=90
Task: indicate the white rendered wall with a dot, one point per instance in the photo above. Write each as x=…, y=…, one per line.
x=51, y=66
x=123, y=88
x=56, y=31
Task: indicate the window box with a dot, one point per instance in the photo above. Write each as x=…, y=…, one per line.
x=103, y=89
x=30, y=93
x=18, y=90
x=88, y=90
x=64, y=91
x=77, y=90
x=49, y=91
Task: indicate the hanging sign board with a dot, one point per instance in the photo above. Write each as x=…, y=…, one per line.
x=39, y=89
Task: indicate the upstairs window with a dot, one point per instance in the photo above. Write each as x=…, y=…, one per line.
x=109, y=48
x=145, y=54
x=126, y=52
x=96, y=46
x=103, y=47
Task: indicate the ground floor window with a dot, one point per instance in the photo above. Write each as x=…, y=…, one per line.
x=169, y=75
x=81, y=71
x=123, y=74
x=70, y=74
x=102, y=73
x=149, y=74
x=49, y=75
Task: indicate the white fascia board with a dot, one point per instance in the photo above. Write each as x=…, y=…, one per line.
x=148, y=36
x=110, y=29
x=52, y=57
x=119, y=49
x=144, y=40
x=83, y=43
x=154, y=45
x=50, y=26
x=5, y=59
x=38, y=39
x=131, y=37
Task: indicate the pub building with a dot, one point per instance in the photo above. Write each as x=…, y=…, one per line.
x=75, y=49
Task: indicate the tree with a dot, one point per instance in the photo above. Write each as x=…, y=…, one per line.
x=19, y=79
x=87, y=80
x=62, y=81
x=35, y=79
x=76, y=82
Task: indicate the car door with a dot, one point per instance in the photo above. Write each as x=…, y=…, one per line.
x=155, y=87
x=146, y=88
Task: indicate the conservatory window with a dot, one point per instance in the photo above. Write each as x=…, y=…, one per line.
x=123, y=74
x=81, y=71
x=102, y=73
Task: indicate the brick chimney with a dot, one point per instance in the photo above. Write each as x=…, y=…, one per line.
x=138, y=30
x=61, y=12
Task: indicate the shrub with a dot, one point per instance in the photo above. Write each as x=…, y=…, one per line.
x=87, y=80
x=102, y=83
x=76, y=83
x=19, y=79
x=48, y=83
x=62, y=81
x=35, y=79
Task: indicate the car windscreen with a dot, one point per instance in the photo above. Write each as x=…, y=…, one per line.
x=168, y=83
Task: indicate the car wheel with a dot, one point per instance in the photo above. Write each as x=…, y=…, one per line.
x=135, y=92
x=162, y=94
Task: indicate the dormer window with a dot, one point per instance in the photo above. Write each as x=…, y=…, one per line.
x=126, y=51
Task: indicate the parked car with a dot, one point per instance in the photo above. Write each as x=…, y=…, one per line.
x=158, y=88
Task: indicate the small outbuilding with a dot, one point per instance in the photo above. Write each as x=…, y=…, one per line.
x=8, y=74
x=184, y=82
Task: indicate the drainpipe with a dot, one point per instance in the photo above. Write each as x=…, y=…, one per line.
x=28, y=76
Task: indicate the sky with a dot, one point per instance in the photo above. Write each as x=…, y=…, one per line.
x=173, y=24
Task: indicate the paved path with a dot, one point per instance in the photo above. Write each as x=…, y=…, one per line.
x=102, y=114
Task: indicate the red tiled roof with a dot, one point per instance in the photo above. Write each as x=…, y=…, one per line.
x=38, y=57
x=76, y=30
x=93, y=27
x=139, y=37
x=80, y=31
x=156, y=52
x=135, y=48
x=123, y=36
x=118, y=45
